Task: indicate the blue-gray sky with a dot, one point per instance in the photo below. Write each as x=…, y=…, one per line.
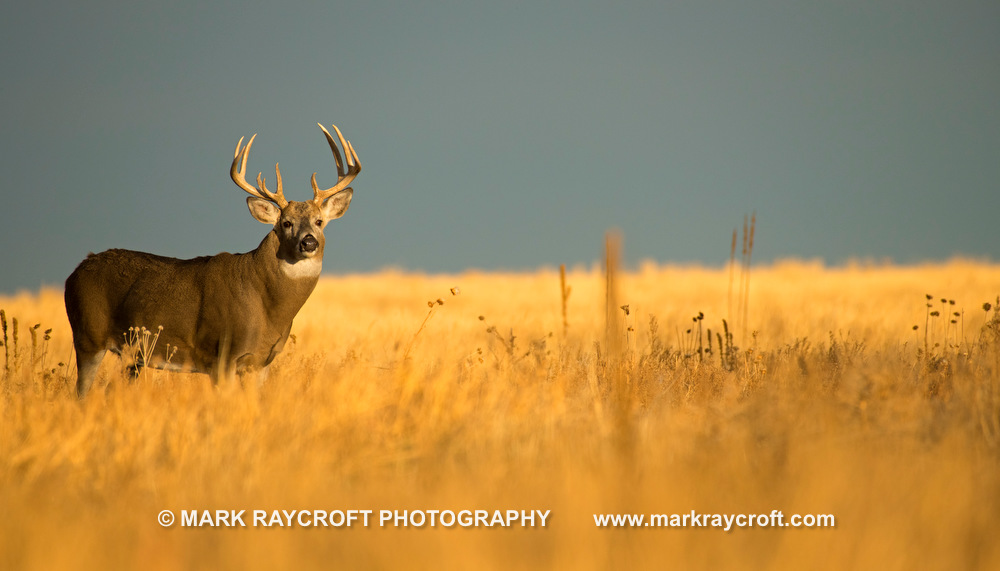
x=506, y=135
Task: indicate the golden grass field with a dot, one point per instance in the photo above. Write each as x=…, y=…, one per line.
x=828, y=405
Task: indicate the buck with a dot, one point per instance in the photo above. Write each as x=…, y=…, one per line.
x=222, y=315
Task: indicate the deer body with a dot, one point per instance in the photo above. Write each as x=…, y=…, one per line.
x=221, y=314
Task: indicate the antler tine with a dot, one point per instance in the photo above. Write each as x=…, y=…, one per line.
x=277, y=196
x=336, y=152
x=238, y=173
x=348, y=167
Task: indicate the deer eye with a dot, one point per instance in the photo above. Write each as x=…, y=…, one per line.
x=319, y=222
x=286, y=224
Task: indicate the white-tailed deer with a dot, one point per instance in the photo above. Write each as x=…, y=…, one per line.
x=222, y=314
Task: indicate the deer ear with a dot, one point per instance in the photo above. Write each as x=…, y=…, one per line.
x=336, y=205
x=263, y=210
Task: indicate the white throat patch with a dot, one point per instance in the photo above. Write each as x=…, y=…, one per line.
x=310, y=268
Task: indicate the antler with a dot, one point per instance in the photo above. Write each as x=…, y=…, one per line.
x=344, y=174
x=260, y=191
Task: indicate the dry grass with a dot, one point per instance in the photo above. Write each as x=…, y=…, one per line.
x=832, y=407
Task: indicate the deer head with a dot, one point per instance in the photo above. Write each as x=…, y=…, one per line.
x=299, y=225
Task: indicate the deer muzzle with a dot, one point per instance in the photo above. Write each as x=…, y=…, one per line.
x=308, y=244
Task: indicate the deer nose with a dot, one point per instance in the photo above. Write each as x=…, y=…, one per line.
x=308, y=244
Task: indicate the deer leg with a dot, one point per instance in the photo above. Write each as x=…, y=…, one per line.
x=224, y=372
x=262, y=376
x=224, y=367
x=257, y=375
x=86, y=369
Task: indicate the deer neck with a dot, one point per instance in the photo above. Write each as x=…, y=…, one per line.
x=288, y=283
